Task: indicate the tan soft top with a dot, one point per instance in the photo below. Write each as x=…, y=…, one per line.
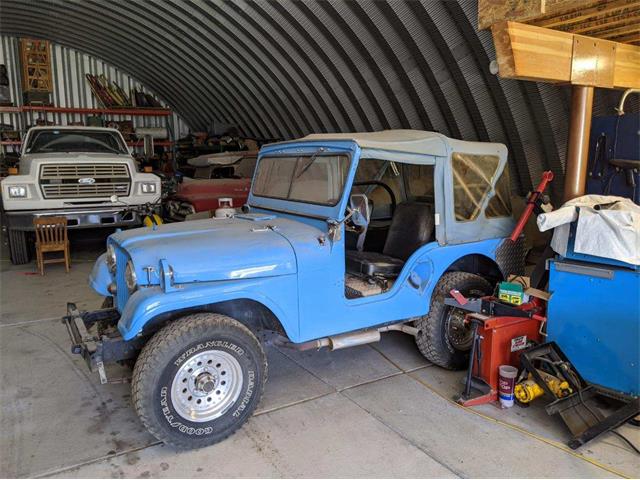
x=406, y=145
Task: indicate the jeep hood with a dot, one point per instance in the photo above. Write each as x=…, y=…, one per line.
x=209, y=250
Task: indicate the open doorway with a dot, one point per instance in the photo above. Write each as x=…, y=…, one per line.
x=401, y=210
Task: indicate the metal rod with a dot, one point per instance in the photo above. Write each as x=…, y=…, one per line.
x=578, y=147
x=620, y=107
x=472, y=354
x=531, y=204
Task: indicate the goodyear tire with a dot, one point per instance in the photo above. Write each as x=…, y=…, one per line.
x=442, y=336
x=198, y=380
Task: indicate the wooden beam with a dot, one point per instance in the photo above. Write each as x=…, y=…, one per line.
x=588, y=17
x=620, y=31
x=627, y=67
x=582, y=13
x=595, y=26
x=527, y=52
x=494, y=11
x=633, y=39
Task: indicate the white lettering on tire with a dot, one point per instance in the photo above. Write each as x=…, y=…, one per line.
x=211, y=343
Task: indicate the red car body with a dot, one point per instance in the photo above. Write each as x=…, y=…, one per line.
x=217, y=176
x=205, y=194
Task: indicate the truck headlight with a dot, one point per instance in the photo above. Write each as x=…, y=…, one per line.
x=148, y=187
x=111, y=257
x=17, y=191
x=130, y=277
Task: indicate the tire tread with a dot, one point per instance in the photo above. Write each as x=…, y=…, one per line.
x=166, y=339
x=429, y=340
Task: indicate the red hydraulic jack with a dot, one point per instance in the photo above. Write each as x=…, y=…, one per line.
x=500, y=330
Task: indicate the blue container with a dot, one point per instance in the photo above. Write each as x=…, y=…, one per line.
x=594, y=316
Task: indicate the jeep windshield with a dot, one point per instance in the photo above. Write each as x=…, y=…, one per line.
x=317, y=178
x=65, y=141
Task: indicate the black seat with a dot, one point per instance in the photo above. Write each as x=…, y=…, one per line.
x=412, y=226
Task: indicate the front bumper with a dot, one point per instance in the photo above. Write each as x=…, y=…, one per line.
x=95, y=336
x=76, y=218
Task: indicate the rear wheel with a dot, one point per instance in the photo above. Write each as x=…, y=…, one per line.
x=443, y=337
x=18, y=247
x=198, y=380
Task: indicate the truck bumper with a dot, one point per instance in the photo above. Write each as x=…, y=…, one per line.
x=76, y=218
x=94, y=335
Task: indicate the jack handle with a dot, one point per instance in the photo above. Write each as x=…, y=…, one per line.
x=531, y=203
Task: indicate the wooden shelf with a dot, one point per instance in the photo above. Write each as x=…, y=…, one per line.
x=143, y=112
x=10, y=109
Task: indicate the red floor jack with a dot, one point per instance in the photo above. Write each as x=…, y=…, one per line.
x=500, y=330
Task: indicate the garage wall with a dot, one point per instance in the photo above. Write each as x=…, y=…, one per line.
x=70, y=87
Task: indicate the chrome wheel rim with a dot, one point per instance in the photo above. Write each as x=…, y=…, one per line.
x=206, y=386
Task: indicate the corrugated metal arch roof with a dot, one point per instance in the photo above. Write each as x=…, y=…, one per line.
x=283, y=69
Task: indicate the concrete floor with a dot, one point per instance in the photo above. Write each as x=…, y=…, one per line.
x=372, y=411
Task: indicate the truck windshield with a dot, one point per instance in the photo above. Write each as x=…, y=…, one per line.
x=317, y=178
x=62, y=141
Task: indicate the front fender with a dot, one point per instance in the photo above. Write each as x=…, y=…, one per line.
x=279, y=294
x=100, y=276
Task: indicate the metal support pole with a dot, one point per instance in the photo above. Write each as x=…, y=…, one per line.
x=578, y=148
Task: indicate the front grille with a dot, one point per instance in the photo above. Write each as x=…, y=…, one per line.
x=122, y=292
x=68, y=180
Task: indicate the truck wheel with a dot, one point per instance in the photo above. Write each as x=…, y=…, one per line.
x=18, y=248
x=442, y=336
x=198, y=380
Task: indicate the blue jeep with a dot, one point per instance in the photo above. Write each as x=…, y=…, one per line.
x=344, y=236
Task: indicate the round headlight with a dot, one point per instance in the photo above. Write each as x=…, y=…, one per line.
x=130, y=277
x=111, y=257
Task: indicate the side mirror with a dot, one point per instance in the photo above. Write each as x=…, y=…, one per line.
x=359, y=203
x=131, y=150
x=360, y=217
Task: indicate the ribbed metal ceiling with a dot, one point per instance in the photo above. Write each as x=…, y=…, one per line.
x=288, y=68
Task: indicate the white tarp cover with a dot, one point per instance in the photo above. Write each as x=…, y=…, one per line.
x=612, y=231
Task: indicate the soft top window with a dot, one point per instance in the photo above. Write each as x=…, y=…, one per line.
x=472, y=177
x=317, y=178
x=63, y=141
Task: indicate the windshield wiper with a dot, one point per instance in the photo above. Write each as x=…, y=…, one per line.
x=311, y=160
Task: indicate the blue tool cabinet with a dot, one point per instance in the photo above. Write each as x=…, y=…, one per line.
x=594, y=316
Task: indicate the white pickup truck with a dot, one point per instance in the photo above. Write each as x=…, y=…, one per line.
x=73, y=172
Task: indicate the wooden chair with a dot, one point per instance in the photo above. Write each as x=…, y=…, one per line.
x=51, y=236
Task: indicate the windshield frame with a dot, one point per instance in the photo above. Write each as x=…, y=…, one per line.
x=35, y=133
x=308, y=155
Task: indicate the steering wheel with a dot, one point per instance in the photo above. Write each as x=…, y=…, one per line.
x=386, y=187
